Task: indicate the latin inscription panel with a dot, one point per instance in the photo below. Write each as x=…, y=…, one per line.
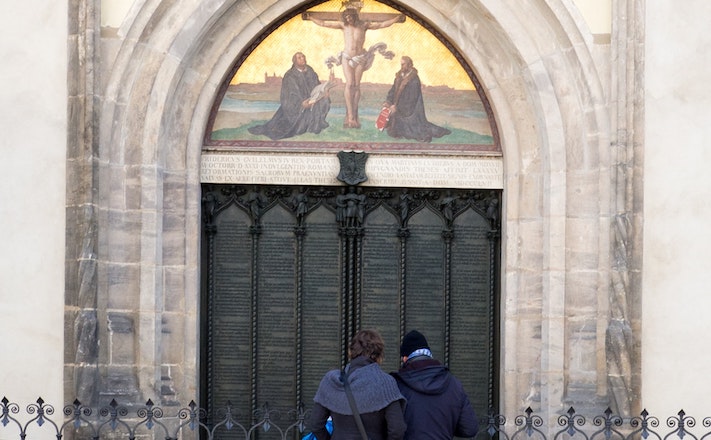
x=382, y=170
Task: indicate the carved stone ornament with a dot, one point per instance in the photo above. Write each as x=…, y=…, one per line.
x=352, y=167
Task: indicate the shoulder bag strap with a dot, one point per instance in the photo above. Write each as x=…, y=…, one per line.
x=354, y=407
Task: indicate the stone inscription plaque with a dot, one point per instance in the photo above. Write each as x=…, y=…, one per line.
x=382, y=170
x=321, y=303
x=231, y=304
x=425, y=272
x=381, y=281
x=277, y=326
x=470, y=355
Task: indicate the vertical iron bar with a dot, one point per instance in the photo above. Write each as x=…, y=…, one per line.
x=299, y=231
x=255, y=230
x=349, y=268
x=494, y=236
x=357, y=273
x=210, y=230
x=492, y=312
x=403, y=233
x=344, y=297
x=447, y=293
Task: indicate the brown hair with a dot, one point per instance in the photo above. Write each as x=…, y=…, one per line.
x=352, y=12
x=367, y=343
x=293, y=57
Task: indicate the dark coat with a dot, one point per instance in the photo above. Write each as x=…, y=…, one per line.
x=291, y=119
x=376, y=392
x=409, y=120
x=437, y=405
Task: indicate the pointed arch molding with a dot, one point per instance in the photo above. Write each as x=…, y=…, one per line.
x=535, y=61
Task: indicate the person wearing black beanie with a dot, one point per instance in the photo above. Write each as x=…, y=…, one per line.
x=437, y=408
x=413, y=341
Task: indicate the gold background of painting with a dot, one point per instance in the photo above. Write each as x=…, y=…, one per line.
x=435, y=63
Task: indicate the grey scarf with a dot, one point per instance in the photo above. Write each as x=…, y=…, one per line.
x=373, y=389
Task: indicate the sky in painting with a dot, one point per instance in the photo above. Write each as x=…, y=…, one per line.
x=435, y=64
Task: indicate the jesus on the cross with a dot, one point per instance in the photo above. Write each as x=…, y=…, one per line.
x=354, y=57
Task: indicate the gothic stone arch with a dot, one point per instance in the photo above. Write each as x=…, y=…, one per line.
x=134, y=209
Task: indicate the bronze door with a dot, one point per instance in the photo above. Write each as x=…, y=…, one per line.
x=290, y=273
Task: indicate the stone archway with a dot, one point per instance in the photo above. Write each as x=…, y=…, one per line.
x=139, y=263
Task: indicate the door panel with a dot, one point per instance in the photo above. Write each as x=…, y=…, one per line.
x=289, y=274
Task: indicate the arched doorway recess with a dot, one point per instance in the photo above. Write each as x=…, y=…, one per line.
x=535, y=63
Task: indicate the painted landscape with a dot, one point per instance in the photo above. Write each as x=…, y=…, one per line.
x=246, y=105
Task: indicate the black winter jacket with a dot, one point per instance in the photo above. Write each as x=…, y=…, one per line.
x=437, y=405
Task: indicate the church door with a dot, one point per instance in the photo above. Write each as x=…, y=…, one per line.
x=290, y=273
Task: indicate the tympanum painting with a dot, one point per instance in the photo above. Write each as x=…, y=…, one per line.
x=353, y=74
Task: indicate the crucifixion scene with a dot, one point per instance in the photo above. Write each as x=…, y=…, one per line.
x=354, y=57
x=352, y=72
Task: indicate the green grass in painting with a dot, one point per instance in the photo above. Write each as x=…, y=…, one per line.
x=366, y=134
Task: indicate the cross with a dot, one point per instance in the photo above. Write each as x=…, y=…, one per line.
x=374, y=17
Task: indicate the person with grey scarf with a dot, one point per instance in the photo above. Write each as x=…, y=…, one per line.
x=375, y=392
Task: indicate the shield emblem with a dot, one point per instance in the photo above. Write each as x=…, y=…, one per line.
x=352, y=167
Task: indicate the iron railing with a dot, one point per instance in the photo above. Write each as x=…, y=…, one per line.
x=149, y=421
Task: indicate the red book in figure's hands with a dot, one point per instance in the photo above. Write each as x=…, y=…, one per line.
x=383, y=118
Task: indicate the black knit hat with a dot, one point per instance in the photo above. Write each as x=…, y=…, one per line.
x=413, y=341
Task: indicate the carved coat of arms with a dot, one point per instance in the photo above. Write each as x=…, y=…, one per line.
x=352, y=167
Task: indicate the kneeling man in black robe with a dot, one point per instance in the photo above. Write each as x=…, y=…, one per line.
x=407, y=117
x=299, y=112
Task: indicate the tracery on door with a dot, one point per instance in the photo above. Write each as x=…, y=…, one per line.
x=290, y=273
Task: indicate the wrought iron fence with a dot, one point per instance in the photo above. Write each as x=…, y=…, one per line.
x=116, y=421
